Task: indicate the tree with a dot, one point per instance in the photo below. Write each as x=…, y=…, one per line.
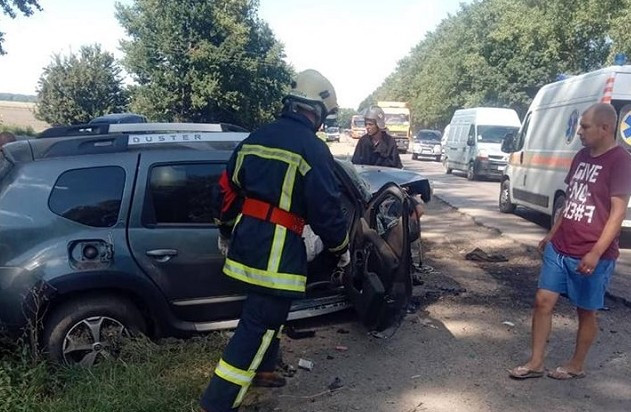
x=344, y=116
x=26, y=7
x=76, y=88
x=210, y=61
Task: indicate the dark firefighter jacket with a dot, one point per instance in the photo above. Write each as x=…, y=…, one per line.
x=286, y=165
x=384, y=154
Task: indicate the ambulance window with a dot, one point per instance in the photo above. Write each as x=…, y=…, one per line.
x=521, y=139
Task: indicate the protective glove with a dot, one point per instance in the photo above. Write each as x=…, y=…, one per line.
x=345, y=260
x=223, y=244
x=313, y=243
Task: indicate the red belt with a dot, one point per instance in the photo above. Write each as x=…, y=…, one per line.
x=270, y=213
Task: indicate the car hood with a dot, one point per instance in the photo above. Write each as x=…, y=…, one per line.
x=377, y=177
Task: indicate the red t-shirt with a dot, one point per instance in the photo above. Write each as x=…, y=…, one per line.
x=592, y=182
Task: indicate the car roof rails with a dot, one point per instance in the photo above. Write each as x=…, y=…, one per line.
x=100, y=128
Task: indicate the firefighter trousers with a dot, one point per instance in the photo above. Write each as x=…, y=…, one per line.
x=253, y=348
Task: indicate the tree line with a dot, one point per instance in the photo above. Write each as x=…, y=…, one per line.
x=188, y=61
x=500, y=52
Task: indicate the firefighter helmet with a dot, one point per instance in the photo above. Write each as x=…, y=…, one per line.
x=312, y=91
x=376, y=113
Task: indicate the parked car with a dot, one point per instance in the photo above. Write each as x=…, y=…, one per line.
x=426, y=143
x=332, y=134
x=111, y=233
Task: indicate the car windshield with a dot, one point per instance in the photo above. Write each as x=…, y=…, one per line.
x=361, y=184
x=359, y=123
x=395, y=119
x=428, y=135
x=494, y=134
x=333, y=130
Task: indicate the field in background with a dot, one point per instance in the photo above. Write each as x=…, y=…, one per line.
x=20, y=114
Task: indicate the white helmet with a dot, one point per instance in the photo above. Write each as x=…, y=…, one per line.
x=376, y=113
x=311, y=91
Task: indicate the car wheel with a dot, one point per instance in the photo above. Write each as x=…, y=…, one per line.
x=557, y=208
x=471, y=172
x=437, y=159
x=87, y=330
x=414, y=156
x=506, y=204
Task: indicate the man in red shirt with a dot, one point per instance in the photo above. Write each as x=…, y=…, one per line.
x=581, y=249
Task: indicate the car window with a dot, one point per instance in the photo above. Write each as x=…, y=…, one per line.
x=5, y=165
x=90, y=196
x=183, y=194
x=433, y=136
x=494, y=134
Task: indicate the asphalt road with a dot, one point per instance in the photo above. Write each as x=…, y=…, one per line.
x=479, y=199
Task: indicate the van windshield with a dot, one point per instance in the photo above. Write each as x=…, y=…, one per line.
x=494, y=134
x=397, y=119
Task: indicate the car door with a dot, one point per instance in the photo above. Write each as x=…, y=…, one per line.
x=173, y=237
x=379, y=283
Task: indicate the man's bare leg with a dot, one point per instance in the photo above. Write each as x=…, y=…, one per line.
x=587, y=331
x=545, y=301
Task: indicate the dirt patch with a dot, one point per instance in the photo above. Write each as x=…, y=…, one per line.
x=452, y=353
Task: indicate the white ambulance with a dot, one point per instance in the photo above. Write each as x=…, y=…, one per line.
x=542, y=150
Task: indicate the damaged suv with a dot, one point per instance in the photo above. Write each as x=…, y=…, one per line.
x=107, y=230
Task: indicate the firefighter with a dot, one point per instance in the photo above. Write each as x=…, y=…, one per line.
x=376, y=147
x=278, y=180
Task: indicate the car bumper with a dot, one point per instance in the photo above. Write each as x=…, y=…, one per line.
x=490, y=168
x=402, y=144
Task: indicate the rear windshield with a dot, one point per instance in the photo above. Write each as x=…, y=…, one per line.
x=5, y=165
x=494, y=134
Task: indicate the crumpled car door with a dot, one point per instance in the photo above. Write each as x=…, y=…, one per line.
x=379, y=283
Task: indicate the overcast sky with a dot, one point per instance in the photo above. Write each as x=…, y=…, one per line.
x=356, y=44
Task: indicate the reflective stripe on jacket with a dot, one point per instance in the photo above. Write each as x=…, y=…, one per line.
x=286, y=165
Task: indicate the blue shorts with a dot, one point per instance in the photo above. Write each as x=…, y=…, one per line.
x=559, y=274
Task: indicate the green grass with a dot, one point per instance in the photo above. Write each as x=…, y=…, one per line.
x=18, y=131
x=166, y=376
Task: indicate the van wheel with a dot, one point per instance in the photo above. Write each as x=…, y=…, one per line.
x=557, y=208
x=471, y=172
x=87, y=330
x=506, y=203
x=448, y=169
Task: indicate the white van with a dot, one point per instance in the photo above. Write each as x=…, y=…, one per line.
x=542, y=151
x=475, y=138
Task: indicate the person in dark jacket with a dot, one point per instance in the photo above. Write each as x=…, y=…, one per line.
x=278, y=180
x=376, y=147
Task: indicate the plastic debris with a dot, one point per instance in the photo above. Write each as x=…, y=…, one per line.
x=305, y=364
x=341, y=348
x=507, y=323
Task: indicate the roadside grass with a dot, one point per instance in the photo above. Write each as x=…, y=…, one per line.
x=18, y=131
x=169, y=375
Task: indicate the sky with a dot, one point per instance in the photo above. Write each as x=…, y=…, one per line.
x=356, y=44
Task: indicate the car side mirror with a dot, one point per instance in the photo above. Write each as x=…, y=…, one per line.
x=508, y=144
x=471, y=141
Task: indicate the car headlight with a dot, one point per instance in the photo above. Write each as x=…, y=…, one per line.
x=436, y=148
x=483, y=154
x=417, y=146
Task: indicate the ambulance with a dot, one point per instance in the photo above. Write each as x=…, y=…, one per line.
x=541, y=151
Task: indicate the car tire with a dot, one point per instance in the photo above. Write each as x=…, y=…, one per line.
x=437, y=159
x=471, y=175
x=505, y=202
x=77, y=321
x=414, y=156
x=557, y=207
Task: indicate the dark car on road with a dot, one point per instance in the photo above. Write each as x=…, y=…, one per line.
x=111, y=230
x=426, y=144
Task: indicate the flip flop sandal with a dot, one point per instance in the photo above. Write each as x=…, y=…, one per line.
x=563, y=374
x=522, y=372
